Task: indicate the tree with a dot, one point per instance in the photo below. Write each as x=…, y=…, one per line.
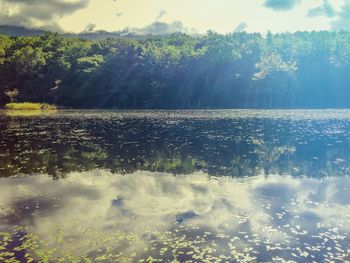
x=302, y=69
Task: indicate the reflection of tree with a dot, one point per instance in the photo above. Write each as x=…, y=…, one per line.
x=240, y=147
x=174, y=164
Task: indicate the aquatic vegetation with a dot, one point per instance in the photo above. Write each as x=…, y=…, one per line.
x=20, y=245
x=29, y=106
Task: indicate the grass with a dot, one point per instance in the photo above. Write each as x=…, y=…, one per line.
x=30, y=106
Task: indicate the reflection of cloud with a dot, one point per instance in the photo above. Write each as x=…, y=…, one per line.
x=281, y=5
x=277, y=209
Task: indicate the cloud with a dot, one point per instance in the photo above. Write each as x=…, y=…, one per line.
x=326, y=9
x=90, y=27
x=241, y=27
x=340, y=19
x=281, y=5
x=342, y=22
x=32, y=13
x=160, y=28
x=161, y=14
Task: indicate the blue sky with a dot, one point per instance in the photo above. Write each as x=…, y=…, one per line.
x=165, y=16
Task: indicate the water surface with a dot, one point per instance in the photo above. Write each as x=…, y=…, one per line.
x=132, y=186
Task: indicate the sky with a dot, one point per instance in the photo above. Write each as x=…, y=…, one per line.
x=167, y=16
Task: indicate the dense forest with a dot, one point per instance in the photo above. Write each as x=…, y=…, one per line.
x=239, y=70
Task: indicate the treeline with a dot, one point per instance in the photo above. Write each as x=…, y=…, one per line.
x=239, y=70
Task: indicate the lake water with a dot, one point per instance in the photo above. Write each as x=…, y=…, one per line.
x=158, y=186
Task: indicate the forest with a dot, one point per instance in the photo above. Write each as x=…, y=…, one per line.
x=179, y=71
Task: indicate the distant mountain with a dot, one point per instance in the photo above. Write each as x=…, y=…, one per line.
x=102, y=34
x=18, y=31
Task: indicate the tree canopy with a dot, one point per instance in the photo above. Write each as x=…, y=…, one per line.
x=238, y=70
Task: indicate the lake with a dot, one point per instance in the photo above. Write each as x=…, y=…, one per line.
x=161, y=186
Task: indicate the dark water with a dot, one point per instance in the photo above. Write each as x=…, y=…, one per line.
x=201, y=186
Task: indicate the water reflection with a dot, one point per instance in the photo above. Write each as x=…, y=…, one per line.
x=201, y=186
x=234, y=143
x=189, y=217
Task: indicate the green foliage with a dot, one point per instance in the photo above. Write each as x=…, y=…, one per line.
x=28, y=59
x=239, y=70
x=90, y=64
x=273, y=63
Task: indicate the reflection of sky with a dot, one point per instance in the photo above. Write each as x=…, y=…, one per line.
x=303, y=216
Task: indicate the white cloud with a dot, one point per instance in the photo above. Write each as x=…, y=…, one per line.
x=220, y=15
x=326, y=9
x=342, y=20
